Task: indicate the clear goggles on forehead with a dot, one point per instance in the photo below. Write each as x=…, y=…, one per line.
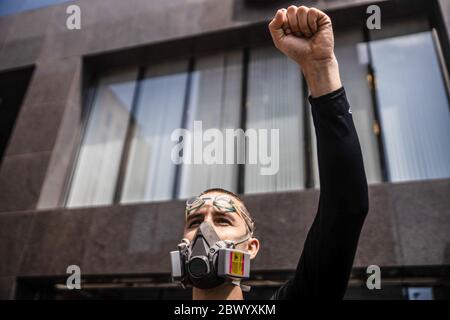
x=222, y=204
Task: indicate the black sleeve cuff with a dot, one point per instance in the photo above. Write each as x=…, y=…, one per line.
x=332, y=103
x=327, y=97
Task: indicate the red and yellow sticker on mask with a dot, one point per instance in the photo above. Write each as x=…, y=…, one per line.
x=237, y=263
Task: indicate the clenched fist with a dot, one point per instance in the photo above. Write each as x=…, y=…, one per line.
x=306, y=36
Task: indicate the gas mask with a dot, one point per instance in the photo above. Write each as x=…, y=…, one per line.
x=208, y=262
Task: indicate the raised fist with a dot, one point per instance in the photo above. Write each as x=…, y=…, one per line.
x=303, y=34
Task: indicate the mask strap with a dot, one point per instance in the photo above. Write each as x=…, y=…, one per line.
x=236, y=282
x=246, y=237
x=243, y=287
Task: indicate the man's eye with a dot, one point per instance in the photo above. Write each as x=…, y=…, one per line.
x=194, y=224
x=223, y=221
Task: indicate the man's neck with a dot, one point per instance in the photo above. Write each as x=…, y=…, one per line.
x=225, y=291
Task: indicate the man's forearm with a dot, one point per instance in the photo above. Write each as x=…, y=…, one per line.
x=322, y=77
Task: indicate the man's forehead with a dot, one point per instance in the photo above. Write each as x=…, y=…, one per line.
x=203, y=210
x=213, y=194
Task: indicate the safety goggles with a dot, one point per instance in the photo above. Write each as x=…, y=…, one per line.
x=222, y=204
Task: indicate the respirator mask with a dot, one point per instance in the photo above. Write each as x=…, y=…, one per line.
x=207, y=261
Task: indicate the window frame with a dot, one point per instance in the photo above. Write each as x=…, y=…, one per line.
x=243, y=38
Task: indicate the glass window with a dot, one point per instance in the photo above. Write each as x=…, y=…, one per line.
x=126, y=154
x=351, y=52
x=96, y=171
x=150, y=173
x=275, y=101
x=419, y=293
x=13, y=87
x=215, y=100
x=414, y=107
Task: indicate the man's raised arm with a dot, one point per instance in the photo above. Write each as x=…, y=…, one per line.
x=306, y=36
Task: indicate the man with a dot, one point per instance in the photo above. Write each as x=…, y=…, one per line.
x=305, y=35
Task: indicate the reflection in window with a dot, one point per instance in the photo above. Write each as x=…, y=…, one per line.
x=215, y=99
x=275, y=101
x=414, y=108
x=419, y=293
x=351, y=52
x=95, y=174
x=150, y=173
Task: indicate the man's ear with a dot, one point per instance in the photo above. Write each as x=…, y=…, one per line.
x=253, y=247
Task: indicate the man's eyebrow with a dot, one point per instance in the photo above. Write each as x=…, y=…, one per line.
x=225, y=214
x=216, y=213
x=195, y=215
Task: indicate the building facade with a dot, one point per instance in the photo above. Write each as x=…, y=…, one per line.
x=87, y=115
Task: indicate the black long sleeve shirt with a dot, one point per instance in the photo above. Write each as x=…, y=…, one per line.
x=327, y=258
